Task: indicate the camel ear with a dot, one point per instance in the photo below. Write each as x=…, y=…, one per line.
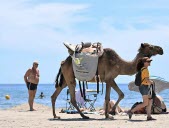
x=142, y=45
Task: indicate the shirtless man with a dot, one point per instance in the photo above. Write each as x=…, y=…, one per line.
x=31, y=79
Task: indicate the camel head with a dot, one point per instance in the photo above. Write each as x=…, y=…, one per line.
x=150, y=50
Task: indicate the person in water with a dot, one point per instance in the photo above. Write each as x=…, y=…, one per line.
x=41, y=95
x=31, y=79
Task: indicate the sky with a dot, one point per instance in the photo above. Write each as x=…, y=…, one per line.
x=36, y=29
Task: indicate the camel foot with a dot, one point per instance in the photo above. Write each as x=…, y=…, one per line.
x=109, y=117
x=106, y=116
x=56, y=117
x=85, y=117
x=112, y=113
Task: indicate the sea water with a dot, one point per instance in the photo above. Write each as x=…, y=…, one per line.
x=19, y=94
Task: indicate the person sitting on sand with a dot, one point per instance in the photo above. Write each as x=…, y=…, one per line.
x=118, y=109
x=80, y=100
x=158, y=105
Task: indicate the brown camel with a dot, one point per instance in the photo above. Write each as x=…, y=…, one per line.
x=110, y=65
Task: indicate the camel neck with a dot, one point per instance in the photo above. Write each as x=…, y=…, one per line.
x=129, y=67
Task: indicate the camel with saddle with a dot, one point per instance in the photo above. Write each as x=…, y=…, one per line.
x=107, y=63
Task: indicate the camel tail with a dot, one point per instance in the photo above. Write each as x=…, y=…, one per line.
x=60, y=81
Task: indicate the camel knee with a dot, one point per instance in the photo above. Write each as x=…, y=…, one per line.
x=73, y=101
x=52, y=98
x=121, y=95
x=145, y=104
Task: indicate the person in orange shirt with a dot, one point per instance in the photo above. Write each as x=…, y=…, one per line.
x=143, y=64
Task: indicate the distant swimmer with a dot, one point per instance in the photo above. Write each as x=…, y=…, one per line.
x=41, y=95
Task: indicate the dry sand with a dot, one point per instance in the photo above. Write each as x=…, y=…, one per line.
x=20, y=117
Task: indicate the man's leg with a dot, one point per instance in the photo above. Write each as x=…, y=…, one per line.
x=33, y=97
x=30, y=100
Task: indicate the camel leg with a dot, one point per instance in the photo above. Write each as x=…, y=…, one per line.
x=53, y=99
x=73, y=101
x=120, y=93
x=107, y=99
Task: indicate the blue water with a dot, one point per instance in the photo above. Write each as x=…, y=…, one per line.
x=19, y=95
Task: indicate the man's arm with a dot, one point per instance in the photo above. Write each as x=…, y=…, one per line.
x=38, y=74
x=26, y=75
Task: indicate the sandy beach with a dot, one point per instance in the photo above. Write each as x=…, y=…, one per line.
x=21, y=117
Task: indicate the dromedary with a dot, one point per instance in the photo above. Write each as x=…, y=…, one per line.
x=110, y=65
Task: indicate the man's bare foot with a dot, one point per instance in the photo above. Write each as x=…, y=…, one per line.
x=32, y=109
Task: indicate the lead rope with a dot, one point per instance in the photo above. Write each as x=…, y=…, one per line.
x=84, y=94
x=97, y=77
x=80, y=89
x=153, y=89
x=102, y=89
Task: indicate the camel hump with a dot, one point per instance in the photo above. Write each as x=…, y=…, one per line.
x=88, y=47
x=78, y=47
x=85, y=59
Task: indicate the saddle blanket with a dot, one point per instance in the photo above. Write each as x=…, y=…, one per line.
x=84, y=66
